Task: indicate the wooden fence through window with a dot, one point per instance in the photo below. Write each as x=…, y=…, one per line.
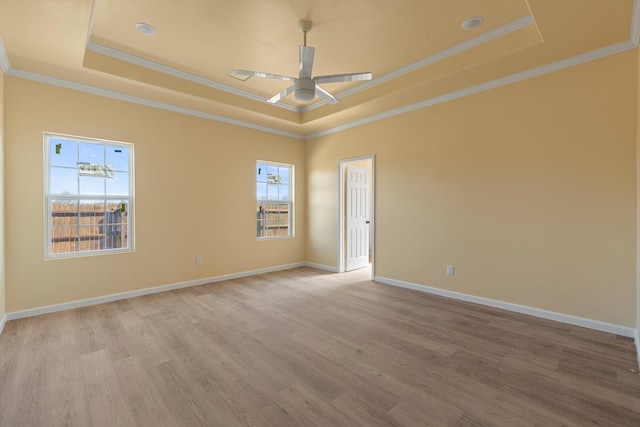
x=273, y=219
x=87, y=227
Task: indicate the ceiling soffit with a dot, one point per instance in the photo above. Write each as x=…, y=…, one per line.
x=501, y=41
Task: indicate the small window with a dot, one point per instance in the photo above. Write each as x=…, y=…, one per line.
x=89, y=196
x=274, y=190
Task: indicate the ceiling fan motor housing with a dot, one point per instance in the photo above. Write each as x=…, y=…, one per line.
x=305, y=89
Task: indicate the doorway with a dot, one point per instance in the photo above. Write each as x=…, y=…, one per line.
x=356, y=213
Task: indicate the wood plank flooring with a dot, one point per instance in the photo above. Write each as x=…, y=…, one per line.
x=306, y=348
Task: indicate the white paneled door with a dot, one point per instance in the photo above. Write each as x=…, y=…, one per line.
x=357, y=217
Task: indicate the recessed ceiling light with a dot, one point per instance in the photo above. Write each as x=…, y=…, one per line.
x=235, y=75
x=472, y=23
x=146, y=29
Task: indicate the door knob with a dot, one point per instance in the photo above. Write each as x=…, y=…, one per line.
x=367, y=222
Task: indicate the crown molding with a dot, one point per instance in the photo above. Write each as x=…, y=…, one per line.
x=459, y=48
x=92, y=19
x=635, y=23
x=132, y=59
x=28, y=75
x=4, y=59
x=503, y=81
x=502, y=31
x=545, y=69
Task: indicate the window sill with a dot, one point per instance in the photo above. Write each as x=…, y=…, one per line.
x=49, y=257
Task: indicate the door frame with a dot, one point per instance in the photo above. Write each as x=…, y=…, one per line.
x=342, y=211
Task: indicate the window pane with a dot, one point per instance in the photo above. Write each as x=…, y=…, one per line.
x=271, y=228
x=262, y=191
x=90, y=239
x=284, y=192
x=118, y=157
x=63, y=153
x=284, y=173
x=260, y=224
x=272, y=192
x=64, y=226
x=63, y=181
x=273, y=177
x=92, y=185
x=91, y=212
x=114, y=226
x=261, y=172
x=88, y=173
x=118, y=185
x=64, y=212
x=91, y=153
x=118, y=205
x=64, y=239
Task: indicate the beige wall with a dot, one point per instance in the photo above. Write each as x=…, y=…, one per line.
x=2, y=215
x=194, y=196
x=529, y=190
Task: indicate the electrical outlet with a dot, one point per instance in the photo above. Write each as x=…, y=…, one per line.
x=314, y=249
x=450, y=270
x=199, y=260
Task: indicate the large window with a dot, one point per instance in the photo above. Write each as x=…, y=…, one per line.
x=89, y=196
x=274, y=189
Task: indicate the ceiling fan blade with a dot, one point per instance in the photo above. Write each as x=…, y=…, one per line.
x=280, y=95
x=326, y=95
x=264, y=75
x=306, y=61
x=351, y=77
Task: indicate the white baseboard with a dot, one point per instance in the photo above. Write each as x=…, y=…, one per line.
x=637, y=339
x=3, y=322
x=139, y=292
x=532, y=311
x=321, y=267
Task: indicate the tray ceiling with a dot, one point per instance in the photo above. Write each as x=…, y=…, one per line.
x=416, y=50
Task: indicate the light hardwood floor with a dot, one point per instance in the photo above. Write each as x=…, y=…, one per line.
x=303, y=348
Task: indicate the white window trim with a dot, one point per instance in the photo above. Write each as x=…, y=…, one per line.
x=291, y=202
x=48, y=255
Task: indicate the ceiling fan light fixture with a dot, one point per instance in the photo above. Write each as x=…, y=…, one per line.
x=471, y=23
x=305, y=89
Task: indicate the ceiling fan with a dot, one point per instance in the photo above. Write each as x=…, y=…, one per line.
x=306, y=87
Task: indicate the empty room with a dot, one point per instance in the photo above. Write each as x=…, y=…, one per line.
x=319, y=212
